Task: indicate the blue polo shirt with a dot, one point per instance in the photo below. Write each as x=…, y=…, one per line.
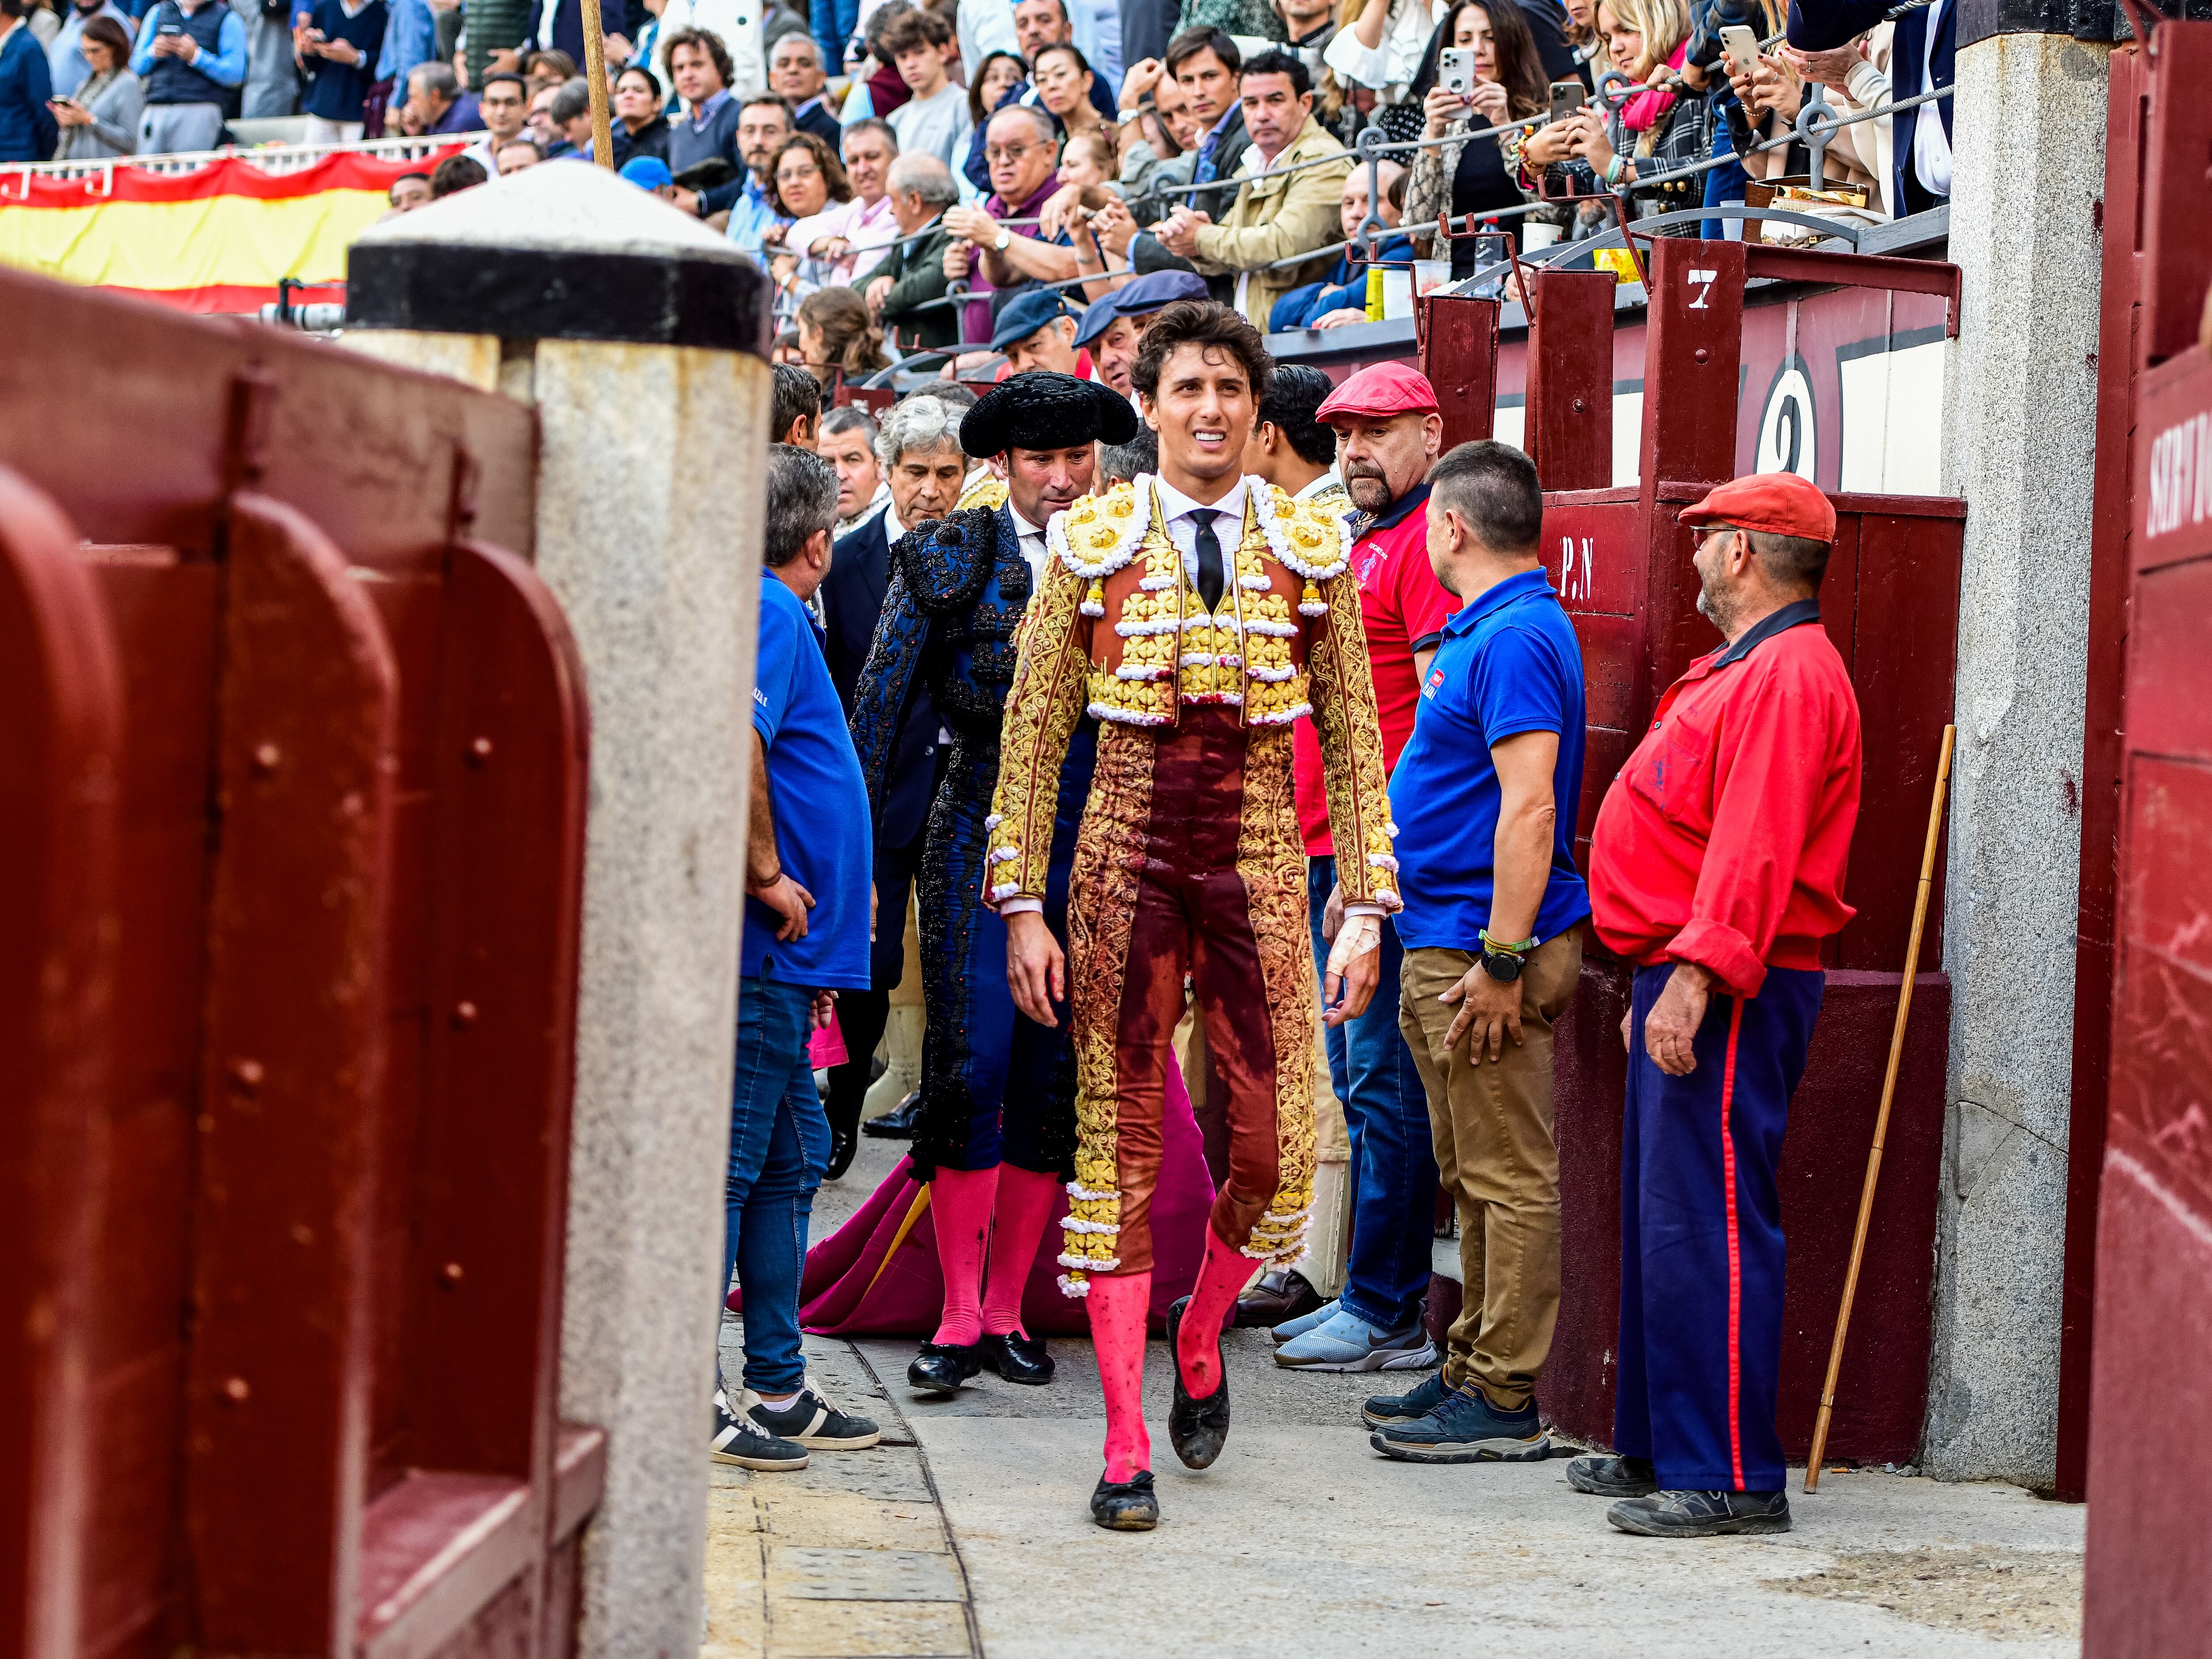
x=1508, y=663
x=820, y=806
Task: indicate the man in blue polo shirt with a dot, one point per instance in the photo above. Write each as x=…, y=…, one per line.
x=807, y=872
x=1485, y=797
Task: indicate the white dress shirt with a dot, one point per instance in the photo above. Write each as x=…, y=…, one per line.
x=1931, y=149
x=1033, y=548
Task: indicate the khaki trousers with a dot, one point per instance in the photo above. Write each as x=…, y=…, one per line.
x=1492, y=1123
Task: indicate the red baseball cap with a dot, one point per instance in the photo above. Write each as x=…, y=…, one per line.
x=1380, y=391
x=1779, y=503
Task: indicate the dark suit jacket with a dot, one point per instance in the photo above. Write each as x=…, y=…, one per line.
x=852, y=593
x=1819, y=25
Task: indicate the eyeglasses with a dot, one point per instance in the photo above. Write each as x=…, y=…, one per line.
x=1006, y=152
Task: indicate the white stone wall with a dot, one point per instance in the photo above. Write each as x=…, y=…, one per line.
x=2020, y=411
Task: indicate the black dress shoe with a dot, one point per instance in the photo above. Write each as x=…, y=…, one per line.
x=896, y=1124
x=844, y=1142
x=1016, y=1357
x=1126, y=1506
x=1197, y=1429
x=941, y=1368
x=1282, y=1294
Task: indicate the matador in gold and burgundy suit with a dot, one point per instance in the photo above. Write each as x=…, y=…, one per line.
x=1189, y=860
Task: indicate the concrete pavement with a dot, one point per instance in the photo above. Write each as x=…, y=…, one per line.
x=967, y=1533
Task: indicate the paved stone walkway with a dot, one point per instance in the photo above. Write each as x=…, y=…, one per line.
x=966, y=1532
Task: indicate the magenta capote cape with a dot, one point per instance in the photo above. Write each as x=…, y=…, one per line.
x=877, y=1275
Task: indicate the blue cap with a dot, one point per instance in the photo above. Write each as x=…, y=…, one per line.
x=1157, y=289
x=648, y=172
x=1025, y=314
x=1097, y=317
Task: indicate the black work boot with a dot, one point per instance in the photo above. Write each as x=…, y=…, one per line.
x=1702, y=1514
x=1613, y=1477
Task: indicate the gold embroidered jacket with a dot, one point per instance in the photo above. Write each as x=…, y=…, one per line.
x=1118, y=630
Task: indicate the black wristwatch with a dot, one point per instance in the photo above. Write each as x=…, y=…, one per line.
x=1503, y=966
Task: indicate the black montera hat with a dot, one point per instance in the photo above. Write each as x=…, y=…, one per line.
x=1045, y=409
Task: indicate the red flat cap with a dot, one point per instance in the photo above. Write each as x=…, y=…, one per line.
x=1779, y=504
x=1380, y=391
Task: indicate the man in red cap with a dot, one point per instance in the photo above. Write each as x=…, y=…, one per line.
x=1387, y=432
x=1717, y=867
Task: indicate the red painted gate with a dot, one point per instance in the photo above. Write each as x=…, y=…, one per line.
x=2150, y=1572
x=289, y=910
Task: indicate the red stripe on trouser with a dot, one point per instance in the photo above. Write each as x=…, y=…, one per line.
x=1734, y=1251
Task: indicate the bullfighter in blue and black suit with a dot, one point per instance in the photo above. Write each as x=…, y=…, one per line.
x=995, y=1132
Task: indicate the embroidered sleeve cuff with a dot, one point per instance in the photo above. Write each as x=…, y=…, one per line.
x=1718, y=946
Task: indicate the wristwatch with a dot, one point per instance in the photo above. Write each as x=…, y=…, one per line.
x=1006, y=241
x=1503, y=966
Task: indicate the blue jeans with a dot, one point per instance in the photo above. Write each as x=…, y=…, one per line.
x=1393, y=1160
x=833, y=22
x=779, y=1148
x=1723, y=183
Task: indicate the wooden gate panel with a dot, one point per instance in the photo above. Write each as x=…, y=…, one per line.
x=279, y=1380
x=61, y=685
x=162, y=610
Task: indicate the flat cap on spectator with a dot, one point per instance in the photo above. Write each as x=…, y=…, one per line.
x=1046, y=410
x=1777, y=503
x=1378, y=393
x=648, y=172
x=1097, y=317
x=1158, y=290
x=1025, y=314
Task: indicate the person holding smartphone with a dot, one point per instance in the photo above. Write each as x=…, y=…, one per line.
x=190, y=54
x=100, y=117
x=338, y=48
x=1489, y=39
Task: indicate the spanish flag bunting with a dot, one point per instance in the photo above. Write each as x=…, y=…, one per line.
x=214, y=240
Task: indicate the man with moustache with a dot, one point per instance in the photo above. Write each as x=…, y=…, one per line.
x=1387, y=432
x=994, y=1133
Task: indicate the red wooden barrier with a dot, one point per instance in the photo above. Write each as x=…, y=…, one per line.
x=321, y=1316
x=1621, y=566
x=2148, y=1588
x=62, y=686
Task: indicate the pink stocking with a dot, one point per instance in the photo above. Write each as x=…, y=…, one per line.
x=1226, y=1271
x=1118, y=1307
x=960, y=1206
x=1025, y=1201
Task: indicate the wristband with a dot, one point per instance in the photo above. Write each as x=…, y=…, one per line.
x=1500, y=947
x=1613, y=170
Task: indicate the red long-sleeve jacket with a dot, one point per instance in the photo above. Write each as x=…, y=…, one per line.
x=1723, y=842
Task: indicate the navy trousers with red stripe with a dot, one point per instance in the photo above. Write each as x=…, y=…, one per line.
x=1701, y=1256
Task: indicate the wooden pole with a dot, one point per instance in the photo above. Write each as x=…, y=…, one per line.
x=1882, y=1118
x=595, y=72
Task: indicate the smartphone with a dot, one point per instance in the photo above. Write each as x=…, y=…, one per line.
x=1566, y=99
x=1741, y=47
x=170, y=28
x=1455, y=70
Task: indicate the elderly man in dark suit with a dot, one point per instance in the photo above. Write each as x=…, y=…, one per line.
x=918, y=450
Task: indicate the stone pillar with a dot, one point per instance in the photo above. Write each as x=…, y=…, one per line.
x=2019, y=413
x=640, y=338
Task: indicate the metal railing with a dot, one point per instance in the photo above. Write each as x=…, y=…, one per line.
x=270, y=158
x=1815, y=126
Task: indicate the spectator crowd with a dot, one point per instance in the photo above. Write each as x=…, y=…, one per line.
x=928, y=164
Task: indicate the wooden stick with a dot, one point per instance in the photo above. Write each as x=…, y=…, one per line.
x=1882, y=1118
x=595, y=72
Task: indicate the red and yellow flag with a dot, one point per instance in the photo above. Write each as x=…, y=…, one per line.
x=216, y=239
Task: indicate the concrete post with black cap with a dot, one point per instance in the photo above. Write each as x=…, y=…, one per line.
x=640, y=337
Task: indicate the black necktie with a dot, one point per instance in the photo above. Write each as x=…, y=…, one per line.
x=1209, y=557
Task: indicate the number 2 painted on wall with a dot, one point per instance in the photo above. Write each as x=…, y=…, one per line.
x=1702, y=281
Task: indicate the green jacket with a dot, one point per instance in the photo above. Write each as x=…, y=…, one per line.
x=917, y=274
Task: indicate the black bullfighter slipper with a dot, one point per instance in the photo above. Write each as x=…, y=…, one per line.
x=1197, y=1429
x=1017, y=1358
x=1126, y=1506
x=941, y=1368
